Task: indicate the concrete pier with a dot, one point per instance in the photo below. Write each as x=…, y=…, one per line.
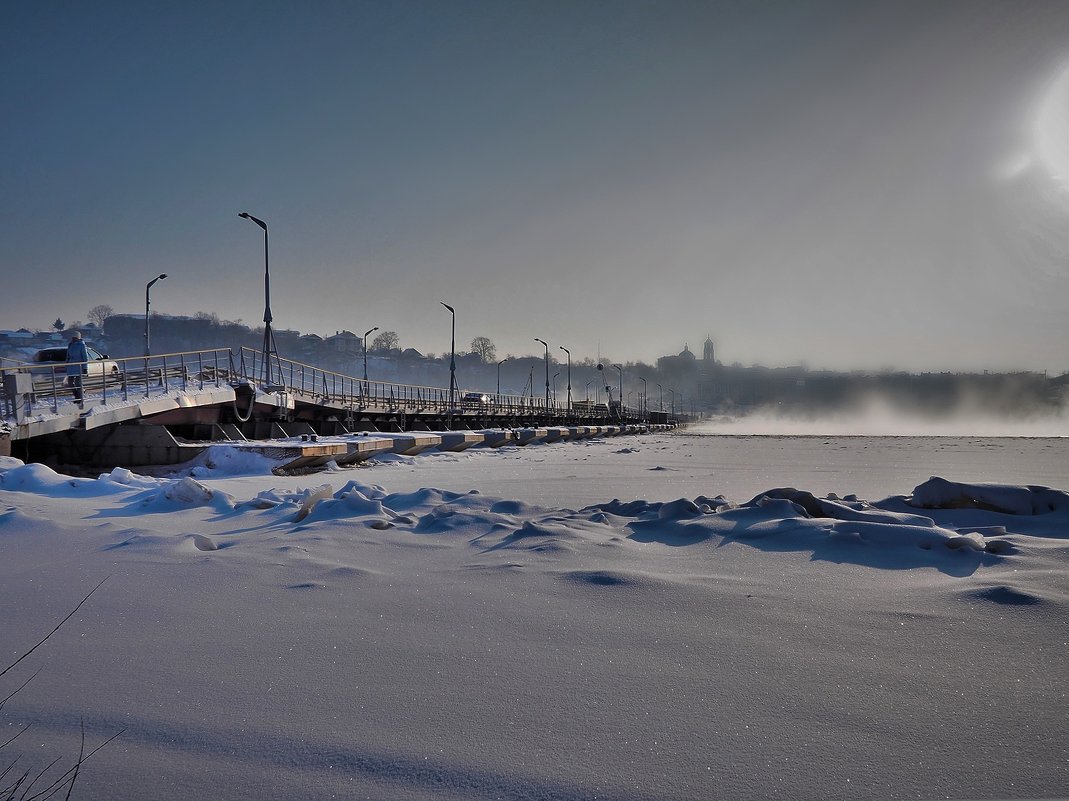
x=411, y=442
x=528, y=436
x=495, y=438
x=308, y=452
x=556, y=433
x=460, y=440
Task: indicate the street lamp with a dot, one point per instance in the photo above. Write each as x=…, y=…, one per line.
x=148, y=286
x=452, y=358
x=555, y=387
x=547, y=368
x=621, y=398
x=269, y=349
x=588, y=383
x=367, y=333
x=660, y=406
x=644, y=409
x=569, y=375
x=499, y=373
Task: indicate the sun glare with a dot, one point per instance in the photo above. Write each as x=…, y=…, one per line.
x=1051, y=131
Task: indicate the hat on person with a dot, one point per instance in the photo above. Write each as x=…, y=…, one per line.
x=76, y=335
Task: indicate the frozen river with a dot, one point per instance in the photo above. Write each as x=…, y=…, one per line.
x=265, y=636
x=687, y=464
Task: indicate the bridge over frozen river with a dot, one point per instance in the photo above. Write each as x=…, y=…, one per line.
x=161, y=409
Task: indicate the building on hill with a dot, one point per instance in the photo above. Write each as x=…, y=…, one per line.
x=683, y=363
x=344, y=342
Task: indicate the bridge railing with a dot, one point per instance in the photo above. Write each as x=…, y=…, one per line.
x=356, y=394
x=41, y=387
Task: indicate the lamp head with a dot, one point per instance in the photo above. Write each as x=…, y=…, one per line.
x=448, y=306
x=259, y=222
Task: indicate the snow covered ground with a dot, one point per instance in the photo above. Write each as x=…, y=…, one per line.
x=517, y=633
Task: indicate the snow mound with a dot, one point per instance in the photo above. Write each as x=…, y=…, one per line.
x=33, y=478
x=128, y=478
x=9, y=462
x=267, y=499
x=222, y=460
x=832, y=529
x=187, y=493
x=43, y=480
x=938, y=493
x=368, y=490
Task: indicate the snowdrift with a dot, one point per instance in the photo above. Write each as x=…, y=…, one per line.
x=890, y=534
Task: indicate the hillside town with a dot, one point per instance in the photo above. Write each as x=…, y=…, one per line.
x=684, y=382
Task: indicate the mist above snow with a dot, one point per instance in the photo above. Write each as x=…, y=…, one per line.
x=878, y=418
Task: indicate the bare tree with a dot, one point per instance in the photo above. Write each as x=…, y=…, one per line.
x=387, y=340
x=98, y=314
x=485, y=348
x=208, y=317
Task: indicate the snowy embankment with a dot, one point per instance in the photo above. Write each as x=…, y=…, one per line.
x=328, y=636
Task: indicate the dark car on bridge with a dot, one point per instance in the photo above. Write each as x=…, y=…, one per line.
x=477, y=401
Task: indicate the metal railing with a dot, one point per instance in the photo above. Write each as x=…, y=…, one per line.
x=357, y=395
x=42, y=387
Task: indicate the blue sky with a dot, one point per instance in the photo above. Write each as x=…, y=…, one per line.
x=837, y=183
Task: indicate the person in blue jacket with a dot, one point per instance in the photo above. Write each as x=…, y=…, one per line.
x=76, y=352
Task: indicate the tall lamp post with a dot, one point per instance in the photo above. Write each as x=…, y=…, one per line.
x=644, y=409
x=547, y=368
x=148, y=286
x=499, y=373
x=660, y=405
x=452, y=358
x=620, y=370
x=367, y=333
x=555, y=375
x=569, y=375
x=588, y=383
x=269, y=349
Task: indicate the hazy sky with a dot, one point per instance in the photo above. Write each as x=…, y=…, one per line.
x=842, y=184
